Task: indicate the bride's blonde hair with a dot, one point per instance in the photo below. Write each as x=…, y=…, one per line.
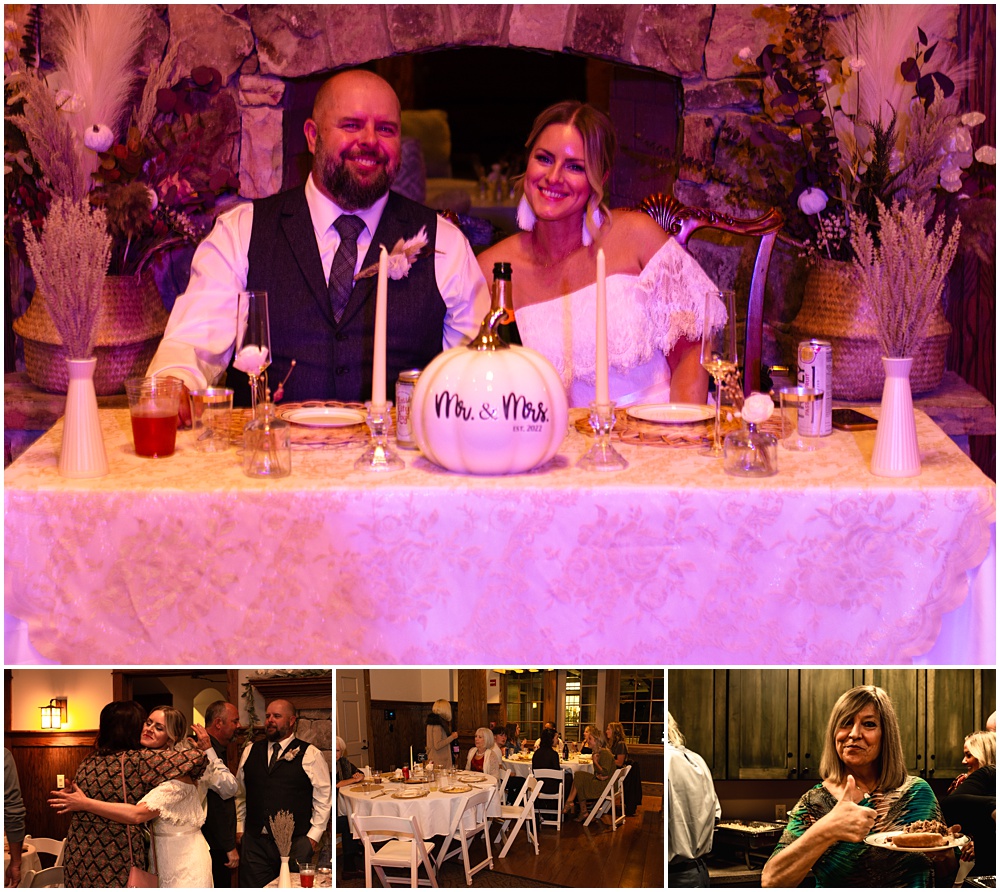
x=600, y=143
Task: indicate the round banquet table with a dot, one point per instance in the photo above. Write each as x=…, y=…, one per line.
x=29, y=859
x=321, y=881
x=521, y=768
x=437, y=813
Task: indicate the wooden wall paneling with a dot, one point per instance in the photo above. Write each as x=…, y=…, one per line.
x=612, y=698
x=39, y=757
x=472, y=712
x=390, y=739
x=550, y=692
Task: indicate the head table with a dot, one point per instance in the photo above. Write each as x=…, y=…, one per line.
x=671, y=561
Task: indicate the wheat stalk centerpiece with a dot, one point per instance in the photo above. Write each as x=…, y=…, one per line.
x=69, y=263
x=904, y=274
x=282, y=827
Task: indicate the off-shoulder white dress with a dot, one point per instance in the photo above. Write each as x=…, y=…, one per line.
x=647, y=314
x=182, y=859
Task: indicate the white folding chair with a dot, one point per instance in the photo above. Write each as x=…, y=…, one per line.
x=550, y=803
x=50, y=877
x=406, y=849
x=48, y=846
x=522, y=812
x=468, y=824
x=505, y=774
x=613, y=792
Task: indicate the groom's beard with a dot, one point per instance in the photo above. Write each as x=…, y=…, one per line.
x=340, y=181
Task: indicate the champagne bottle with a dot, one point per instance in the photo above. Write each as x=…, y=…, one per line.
x=503, y=296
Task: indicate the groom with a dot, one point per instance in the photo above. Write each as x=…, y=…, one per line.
x=280, y=773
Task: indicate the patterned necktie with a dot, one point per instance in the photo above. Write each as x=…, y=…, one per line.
x=342, y=271
x=274, y=756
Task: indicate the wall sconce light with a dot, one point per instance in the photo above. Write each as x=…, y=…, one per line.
x=54, y=715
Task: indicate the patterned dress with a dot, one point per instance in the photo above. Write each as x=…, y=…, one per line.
x=96, y=853
x=855, y=864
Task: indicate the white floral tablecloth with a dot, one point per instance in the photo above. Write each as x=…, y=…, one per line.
x=176, y=560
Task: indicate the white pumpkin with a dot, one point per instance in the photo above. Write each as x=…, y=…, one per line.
x=489, y=411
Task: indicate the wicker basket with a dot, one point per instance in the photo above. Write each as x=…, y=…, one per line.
x=130, y=324
x=833, y=310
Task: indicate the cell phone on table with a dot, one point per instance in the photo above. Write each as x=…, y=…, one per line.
x=852, y=420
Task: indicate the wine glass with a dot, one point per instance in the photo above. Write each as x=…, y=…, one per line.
x=253, y=343
x=718, y=352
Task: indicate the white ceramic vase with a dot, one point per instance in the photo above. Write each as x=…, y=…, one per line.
x=897, y=453
x=284, y=875
x=82, y=453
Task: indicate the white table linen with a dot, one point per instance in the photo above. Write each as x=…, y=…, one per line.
x=165, y=560
x=523, y=769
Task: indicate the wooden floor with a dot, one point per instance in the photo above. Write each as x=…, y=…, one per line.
x=587, y=857
x=594, y=856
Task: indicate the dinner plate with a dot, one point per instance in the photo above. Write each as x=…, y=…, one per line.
x=670, y=413
x=459, y=789
x=322, y=416
x=882, y=841
x=472, y=778
x=410, y=794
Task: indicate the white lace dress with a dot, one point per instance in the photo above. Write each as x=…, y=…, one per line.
x=182, y=859
x=647, y=314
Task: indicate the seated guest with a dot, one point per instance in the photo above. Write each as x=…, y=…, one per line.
x=512, y=733
x=974, y=806
x=588, y=787
x=616, y=743
x=692, y=810
x=865, y=789
x=655, y=289
x=350, y=849
x=305, y=246
x=484, y=756
x=557, y=741
x=547, y=757
x=978, y=749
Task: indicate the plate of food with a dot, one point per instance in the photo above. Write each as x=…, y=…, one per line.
x=322, y=416
x=920, y=836
x=413, y=793
x=670, y=413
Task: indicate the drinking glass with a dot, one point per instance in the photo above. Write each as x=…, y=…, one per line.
x=718, y=353
x=153, y=405
x=253, y=342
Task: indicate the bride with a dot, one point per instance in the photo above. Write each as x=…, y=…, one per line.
x=177, y=807
x=655, y=290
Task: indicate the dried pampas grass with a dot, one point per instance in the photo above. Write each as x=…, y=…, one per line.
x=903, y=277
x=69, y=263
x=282, y=828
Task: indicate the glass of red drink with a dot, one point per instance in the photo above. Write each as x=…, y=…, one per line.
x=307, y=875
x=153, y=404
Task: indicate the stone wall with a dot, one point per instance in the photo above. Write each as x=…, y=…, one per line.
x=259, y=48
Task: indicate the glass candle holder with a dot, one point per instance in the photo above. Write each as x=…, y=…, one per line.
x=267, y=445
x=749, y=452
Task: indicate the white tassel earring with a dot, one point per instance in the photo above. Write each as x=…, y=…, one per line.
x=525, y=215
x=587, y=238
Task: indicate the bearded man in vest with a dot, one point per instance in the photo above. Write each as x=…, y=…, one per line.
x=280, y=773
x=305, y=247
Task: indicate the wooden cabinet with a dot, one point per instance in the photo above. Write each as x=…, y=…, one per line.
x=758, y=724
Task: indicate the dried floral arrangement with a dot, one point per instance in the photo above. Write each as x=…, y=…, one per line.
x=76, y=133
x=282, y=828
x=70, y=260
x=903, y=275
x=860, y=109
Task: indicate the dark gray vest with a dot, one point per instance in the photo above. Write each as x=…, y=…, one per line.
x=285, y=788
x=333, y=361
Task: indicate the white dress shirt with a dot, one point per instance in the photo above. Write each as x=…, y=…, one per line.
x=692, y=805
x=219, y=778
x=198, y=342
x=318, y=772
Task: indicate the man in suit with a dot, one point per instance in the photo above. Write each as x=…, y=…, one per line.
x=280, y=773
x=306, y=246
x=222, y=721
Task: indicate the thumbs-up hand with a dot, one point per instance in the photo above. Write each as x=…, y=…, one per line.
x=848, y=820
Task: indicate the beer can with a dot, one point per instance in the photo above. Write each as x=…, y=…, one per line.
x=404, y=400
x=816, y=370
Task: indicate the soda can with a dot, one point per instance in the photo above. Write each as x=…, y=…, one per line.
x=404, y=400
x=816, y=370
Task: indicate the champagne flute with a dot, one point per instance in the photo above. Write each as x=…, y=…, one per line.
x=253, y=343
x=718, y=353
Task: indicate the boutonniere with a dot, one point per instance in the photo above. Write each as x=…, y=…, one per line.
x=291, y=754
x=403, y=255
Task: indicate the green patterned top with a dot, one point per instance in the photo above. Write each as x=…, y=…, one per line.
x=857, y=863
